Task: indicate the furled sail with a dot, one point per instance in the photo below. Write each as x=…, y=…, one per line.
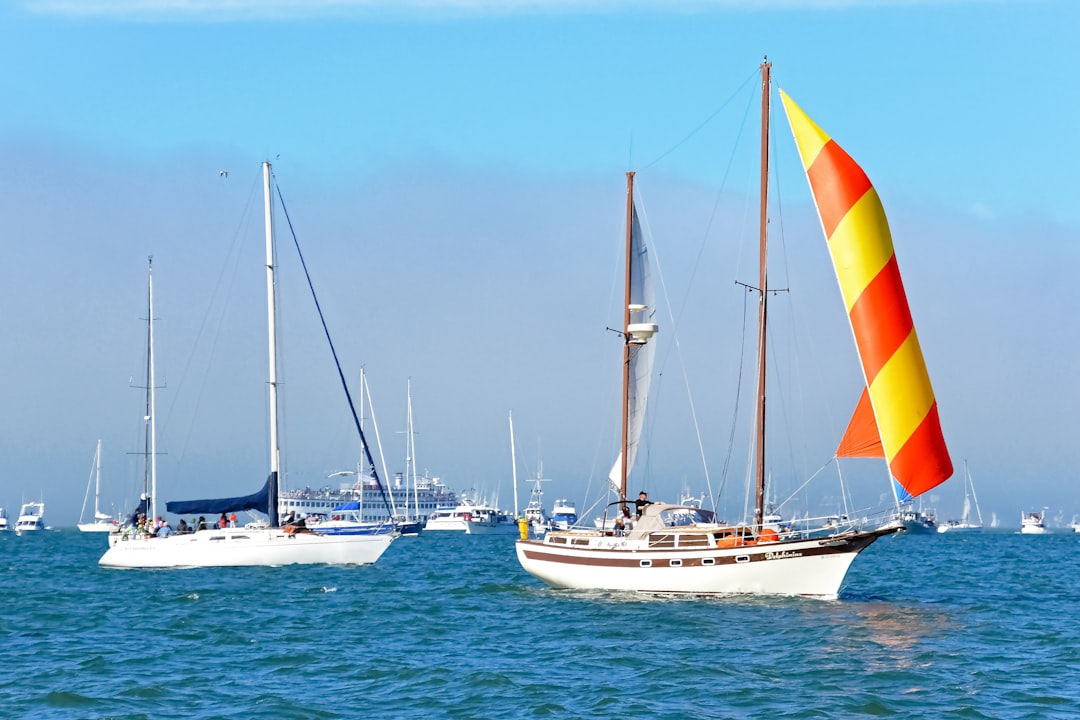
x=642, y=311
x=898, y=386
x=265, y=501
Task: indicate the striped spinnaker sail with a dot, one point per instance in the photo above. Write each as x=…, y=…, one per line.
x=902, y=402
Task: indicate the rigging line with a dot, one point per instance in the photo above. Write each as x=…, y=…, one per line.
x=233, y=256
x=678, y=349
x=333, y=351
x=735, y=409
x=704, y=122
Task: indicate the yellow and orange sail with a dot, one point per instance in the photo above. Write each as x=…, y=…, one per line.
x=897, y=416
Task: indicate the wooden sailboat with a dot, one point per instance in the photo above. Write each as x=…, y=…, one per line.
x=682, y=549
x=261, y=544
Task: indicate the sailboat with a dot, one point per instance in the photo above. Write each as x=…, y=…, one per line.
x=102, y=522
x=259, y=543
x=966, y=522
x=683, y=549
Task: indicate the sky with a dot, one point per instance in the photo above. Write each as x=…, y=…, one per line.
x=455, y=175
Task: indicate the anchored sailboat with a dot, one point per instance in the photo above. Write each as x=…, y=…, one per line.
x=102, y=522
x=966, y=521
x=682, y=549
x=253, y=545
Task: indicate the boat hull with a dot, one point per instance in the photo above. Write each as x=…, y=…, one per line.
x=814, y=567
x=243, y=547
x=98, y=527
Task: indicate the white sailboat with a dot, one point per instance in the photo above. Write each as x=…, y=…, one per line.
x=966, y=523
x=102, y=522
x=682, y=549
x=256, y=544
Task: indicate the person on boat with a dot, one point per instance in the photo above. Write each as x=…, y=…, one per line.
x=223, y=521
x=164, y=530
x=289, y=519
x=232, y=520
x=641, y=502
x=201, y=525
x=182, y=527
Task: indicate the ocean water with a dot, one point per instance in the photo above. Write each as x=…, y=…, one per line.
x=449, y=626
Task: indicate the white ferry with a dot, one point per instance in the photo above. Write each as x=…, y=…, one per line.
x=409, y=503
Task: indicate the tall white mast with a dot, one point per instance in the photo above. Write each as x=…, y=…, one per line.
x=150, y=386
x=271, y=312
x=97, y=481
x=513, y=462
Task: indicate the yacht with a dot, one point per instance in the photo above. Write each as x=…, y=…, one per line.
x=3, y=520
x=472, y=519
x=1032, y=523
x=31, y=518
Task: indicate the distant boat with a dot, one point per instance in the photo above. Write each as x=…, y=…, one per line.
x=965, y=523
x=102, y=522
x=563, y=514
x=31, y=518
x=4, y=527
x=1075, y=525
x=677, y=549
x=472, y=519
x=1032, y=523
x=262, y=544
x=537, y=518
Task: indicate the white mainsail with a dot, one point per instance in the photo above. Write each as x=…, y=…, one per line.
x=642, y=354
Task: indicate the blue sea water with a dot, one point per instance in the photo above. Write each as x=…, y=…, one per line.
x=449, y=626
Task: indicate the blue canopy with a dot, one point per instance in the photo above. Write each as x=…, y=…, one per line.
x=264, y=501
x=351, y=505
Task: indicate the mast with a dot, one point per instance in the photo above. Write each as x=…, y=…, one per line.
x=626, y=339
x=271, y=312
x=513, y=464
x=150, y=446
x=97, y=481
x=759, y=494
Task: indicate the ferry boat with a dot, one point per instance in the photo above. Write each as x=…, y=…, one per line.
x=410, y=504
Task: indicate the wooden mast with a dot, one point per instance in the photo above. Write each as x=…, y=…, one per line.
x=759, y=494
x=626, y=339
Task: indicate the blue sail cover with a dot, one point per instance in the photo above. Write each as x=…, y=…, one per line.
x=351, y=505
x=265, y=501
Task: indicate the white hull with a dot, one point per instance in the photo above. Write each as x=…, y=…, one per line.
x=1033, y=530
x=100, y=526
x=959, y=528
x=243, y=547
x=814, y=568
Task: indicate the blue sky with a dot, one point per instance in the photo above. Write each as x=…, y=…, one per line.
x=456, y=175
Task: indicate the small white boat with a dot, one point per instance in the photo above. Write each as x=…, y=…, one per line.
x=1033, y=523
x=563, y=514
x=102, y=522
x=4, y=520
x=31, y=518
x=472, y=520
x=1075, y=526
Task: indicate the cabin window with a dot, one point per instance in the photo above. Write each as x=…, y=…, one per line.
x=742, y=558
x=646, y=563
x=217, y=537
x=708, y=561
x=676, y=563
